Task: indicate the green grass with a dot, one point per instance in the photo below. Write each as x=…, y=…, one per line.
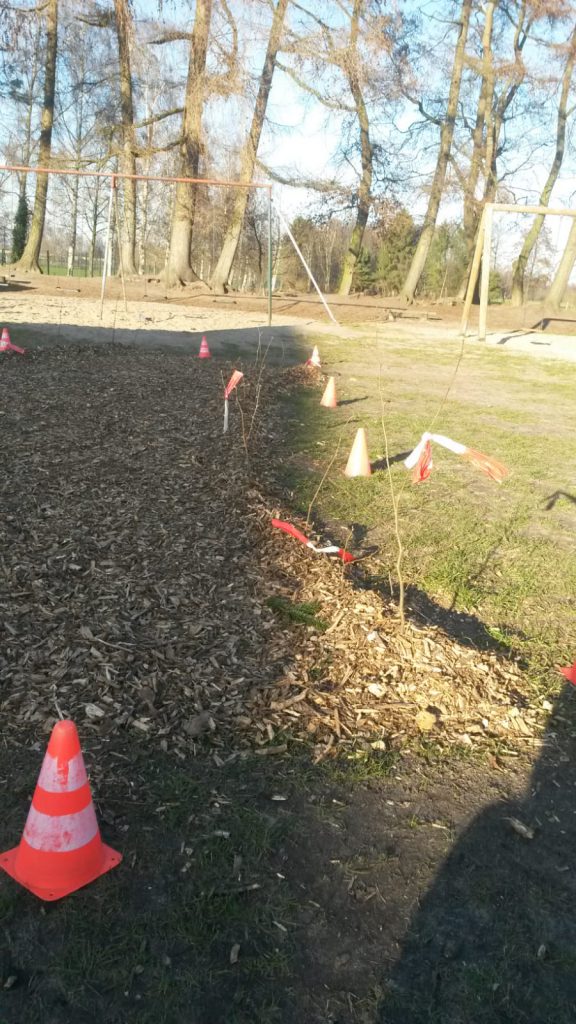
x=496, y=552
x=154, y=937
x=302, y=613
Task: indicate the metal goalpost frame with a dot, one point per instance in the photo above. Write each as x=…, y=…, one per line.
x=482, y=255
x=115, y=176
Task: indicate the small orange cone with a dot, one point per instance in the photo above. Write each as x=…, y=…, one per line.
x=314, y=358
x=60, y=850
x=6, y=345
x=328, y=399
x=204, y=352
x=358, y=462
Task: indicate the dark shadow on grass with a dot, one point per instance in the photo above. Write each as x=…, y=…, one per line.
x=494, y=939
x=351, y=401
x=553, y=499
x=382, y=464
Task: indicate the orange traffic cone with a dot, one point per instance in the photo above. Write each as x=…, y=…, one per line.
x=314, y=358
x=358, y=462
x=328, y=399
x=60, y=850
x=6, y=345
x=204, y=352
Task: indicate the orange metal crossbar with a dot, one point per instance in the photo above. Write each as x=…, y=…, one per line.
x=113, y=175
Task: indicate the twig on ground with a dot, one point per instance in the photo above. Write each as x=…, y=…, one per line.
x=395, y=499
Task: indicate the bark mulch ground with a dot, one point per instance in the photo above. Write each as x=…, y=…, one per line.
x=145, y=595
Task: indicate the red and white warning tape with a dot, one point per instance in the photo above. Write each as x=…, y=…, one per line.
x=420, y=460
x=330, y=550
x=232, y=383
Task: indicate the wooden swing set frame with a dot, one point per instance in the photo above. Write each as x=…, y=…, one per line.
x=482, y=255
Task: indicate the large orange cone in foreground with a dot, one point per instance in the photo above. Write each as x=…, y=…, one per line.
x=60, y=850
x=358, y=462
x=328, y=399
x=204, y=352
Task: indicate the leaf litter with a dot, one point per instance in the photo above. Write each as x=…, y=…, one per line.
x=142, y=582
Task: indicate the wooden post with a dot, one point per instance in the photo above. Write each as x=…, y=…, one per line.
x=485, y=282
x=473, y=275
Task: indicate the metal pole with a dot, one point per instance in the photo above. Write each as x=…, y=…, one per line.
x=306, y=267
x=107, y=244
x=485, y=281
x=270, y=257
x=118, y=229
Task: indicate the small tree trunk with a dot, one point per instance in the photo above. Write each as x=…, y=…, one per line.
x=249, y=152
x=446, y=137
x=559, y=285
x=534, y=232
x=128, y=155
x=28, y=262
x=178, y=269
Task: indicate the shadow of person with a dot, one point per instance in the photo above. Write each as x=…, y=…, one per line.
x=494, y=939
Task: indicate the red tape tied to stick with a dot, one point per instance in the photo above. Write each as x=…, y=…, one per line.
x=232, y=383
x=298, y=535
x=423, y=467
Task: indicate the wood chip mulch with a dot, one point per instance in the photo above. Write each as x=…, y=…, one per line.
x=138, y=563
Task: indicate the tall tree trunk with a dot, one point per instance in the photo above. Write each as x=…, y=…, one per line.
x=366, y=157
x=438, y=181
x=128, y=156
x=471, y=204
x=249, y=152
x=559, y=285
x=534, y=232
x=28, y=262
x=178, y=270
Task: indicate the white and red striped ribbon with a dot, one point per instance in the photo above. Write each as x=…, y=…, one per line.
x=298, y=535
x=420, y=459
x=232, y=383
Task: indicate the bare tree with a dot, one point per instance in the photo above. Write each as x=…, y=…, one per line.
x=439, y=178
x=249, y=152
x=557, y=289
x=28, y=262
x=534, y=232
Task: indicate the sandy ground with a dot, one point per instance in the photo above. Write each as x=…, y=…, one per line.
x=58, y=308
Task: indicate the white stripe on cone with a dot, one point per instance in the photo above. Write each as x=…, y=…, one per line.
x=61, y=833
x=62, y=778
